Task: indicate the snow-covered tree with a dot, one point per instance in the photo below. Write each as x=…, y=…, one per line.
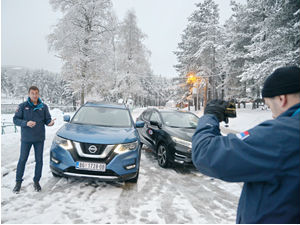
x=131, y=59
x=275, y=41
x=81, y=39
x=259, y=37
x=4, y=82
x=237, y=34
x=197, y=50
x=53, y=87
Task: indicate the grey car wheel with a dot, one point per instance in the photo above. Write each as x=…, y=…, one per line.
x=162, y=156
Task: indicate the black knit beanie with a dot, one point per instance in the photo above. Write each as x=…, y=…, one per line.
x=284, y=80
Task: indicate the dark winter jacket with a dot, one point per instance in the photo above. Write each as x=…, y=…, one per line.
x=266, y=158
x=39, y=113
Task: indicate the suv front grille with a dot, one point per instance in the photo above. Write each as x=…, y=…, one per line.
x=96, y=151
x=93, y=149
x=87, y=158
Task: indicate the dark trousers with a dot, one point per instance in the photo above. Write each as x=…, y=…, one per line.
x=38, y=153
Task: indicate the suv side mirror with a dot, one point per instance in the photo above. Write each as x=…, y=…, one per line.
x=67, y=118
x=139, y=124
x=155, y=123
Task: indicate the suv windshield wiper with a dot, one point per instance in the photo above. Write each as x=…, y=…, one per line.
x=100, y=125
x=182, y=127
x=173, y=126
x=77, y=123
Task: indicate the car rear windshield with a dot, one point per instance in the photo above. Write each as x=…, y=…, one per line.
x=102, y=116
x=180, y=119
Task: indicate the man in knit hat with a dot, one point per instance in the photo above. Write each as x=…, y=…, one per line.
x=266, y=157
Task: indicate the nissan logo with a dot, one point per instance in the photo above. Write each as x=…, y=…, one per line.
x=92, y=149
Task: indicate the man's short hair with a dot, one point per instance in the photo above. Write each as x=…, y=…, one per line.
x=34, y=88
x=297, y=95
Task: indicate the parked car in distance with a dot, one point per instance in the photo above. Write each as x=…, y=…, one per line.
x=100, y=141
x=169, y=134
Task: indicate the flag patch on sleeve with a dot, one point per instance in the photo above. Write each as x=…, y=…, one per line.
x=243, y=135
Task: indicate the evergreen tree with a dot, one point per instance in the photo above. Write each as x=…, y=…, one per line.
x=197, y=50
x=237, y=35
x=259, y=37
x=276, y=39
x=132, y=60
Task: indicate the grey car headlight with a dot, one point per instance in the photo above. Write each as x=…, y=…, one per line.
x=63, y=143
x=122, y=148
x=182, y=142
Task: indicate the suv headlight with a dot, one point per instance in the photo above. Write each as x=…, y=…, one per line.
x=122, y=148
x=182, y=142
x=64, y=143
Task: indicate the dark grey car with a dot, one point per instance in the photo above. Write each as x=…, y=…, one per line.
x=169, y=134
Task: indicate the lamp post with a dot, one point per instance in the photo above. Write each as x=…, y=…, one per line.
x=195, y=81
x=205, y=93
x=198, y=87
x=191, y=79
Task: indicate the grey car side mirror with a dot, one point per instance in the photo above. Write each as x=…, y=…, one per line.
x=139, y=124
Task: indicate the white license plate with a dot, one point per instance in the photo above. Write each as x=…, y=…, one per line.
x=91, y=166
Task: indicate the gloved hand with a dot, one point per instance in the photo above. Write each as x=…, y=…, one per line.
x=217, y=108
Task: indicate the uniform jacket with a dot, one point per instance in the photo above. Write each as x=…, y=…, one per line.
x=266, y=158
x=40, y=114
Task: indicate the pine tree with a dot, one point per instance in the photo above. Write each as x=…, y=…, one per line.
x=132, y=59
x=237, y=35
x=197, y=50
x=276, y=40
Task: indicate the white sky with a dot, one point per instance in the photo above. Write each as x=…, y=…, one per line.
x=26, y=23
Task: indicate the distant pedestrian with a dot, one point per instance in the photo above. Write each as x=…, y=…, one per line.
x=266, y=157
x=32, y=116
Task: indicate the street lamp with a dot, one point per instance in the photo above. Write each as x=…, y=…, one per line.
x=196, y=81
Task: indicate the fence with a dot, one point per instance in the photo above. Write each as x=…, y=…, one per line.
x=6, y=125
x=8, y=108
x=11, y=109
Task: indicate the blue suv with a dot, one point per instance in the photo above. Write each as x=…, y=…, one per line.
x=101, y=141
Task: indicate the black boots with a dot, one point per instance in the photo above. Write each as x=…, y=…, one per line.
x=17, y=187
x=37, y=186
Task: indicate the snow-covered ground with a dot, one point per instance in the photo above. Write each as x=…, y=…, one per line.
x=180, y=195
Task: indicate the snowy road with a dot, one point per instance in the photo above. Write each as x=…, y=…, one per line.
x=180, y=195
x=161, y=196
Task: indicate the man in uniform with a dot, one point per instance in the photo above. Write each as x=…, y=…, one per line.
x=32, y=116
x=266, y=157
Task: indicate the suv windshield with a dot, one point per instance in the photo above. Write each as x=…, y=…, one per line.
x=102, y=116
x=180, y=119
